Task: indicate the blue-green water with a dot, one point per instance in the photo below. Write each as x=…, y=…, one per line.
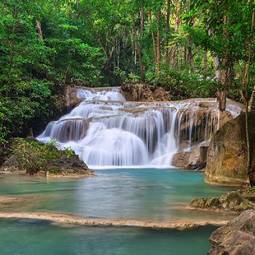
x=35, y=238
x=154, y=194
x=139, y=194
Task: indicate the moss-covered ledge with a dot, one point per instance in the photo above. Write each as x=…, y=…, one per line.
x=236, y=201
x=34, y=158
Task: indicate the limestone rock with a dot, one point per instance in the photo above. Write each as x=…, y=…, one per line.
x=72, y=99
x=181, y=159
x=235, y=238
x=226, y=162
x=194, y=159
x=205, y=122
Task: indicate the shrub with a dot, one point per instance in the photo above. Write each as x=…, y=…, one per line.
x=33, y=156
x=182, y=84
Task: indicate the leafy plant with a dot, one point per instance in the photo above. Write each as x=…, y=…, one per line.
x=33, y=156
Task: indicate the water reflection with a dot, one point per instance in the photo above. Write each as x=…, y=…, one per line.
x=148, y=194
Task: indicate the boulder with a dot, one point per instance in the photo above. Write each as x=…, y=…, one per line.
x=193, y=159
x=181, y=159
x=235, y=238
x=71, y=97
x=226, y=158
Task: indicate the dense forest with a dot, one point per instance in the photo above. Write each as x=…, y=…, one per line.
x=193, y=48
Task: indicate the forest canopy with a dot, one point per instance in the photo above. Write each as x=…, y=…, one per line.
x=192, y=48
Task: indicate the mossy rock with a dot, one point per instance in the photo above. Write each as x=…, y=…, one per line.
x=32, y=156
x=206, y=203
x=233, y=201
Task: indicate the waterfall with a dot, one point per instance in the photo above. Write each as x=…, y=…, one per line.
x=106, y=130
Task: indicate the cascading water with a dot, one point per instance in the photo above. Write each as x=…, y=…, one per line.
x=105, y=130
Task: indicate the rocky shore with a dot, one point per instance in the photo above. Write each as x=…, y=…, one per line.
x=235, y=238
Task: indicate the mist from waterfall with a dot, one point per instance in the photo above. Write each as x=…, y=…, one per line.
x=105, y=130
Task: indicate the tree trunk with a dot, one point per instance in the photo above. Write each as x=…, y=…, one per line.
x=247, y=135
x=153, y=38
x=158, y=50
x=222, y=100
x=39, y=29
x=246, y=78
x=140, y=52
x=251, y=101
x=205, y=62
x=167, y=50
x=190, y=55
x=189, y=48
x=177, y=25
x=167, y=18
x=217, y=68
x=224, y=72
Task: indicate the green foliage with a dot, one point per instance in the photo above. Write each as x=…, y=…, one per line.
x=46, y=45
x=18, y=112
x=183, y=84
x=35, y=66
x=33, y=156
x=75, y=60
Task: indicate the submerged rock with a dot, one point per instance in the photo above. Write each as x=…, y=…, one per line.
x=235, y=238
x=233, y=201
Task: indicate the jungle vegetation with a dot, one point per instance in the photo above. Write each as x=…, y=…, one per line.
x=194, y=48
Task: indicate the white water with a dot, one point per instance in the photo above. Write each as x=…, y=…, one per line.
x=105, y=130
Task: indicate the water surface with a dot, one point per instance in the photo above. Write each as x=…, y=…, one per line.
x=40, y=238
x=144, y=194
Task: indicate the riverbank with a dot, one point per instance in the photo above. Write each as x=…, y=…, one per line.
x=235, y=238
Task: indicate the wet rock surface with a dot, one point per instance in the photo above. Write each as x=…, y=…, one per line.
x=71, y=97
x=195, y=159
x=195, y=130
x=235, y=238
